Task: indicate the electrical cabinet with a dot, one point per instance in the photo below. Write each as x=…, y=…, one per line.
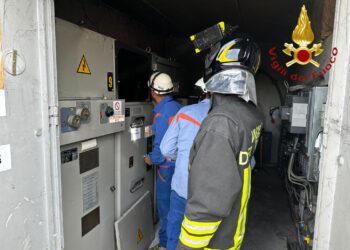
x=316, y=103
x=88, y=169
x=89, y=117
x=134, y=177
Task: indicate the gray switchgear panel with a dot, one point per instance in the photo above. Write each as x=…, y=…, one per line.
x=90, y=118
x=133, y=176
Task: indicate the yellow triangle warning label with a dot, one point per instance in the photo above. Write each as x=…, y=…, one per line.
x=139, y=236
x=83, y=67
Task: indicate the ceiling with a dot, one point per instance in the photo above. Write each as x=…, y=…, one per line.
x=268, y=21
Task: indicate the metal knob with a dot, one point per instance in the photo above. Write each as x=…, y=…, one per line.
x=84, y=113
x=74, y=121
x=109, y=111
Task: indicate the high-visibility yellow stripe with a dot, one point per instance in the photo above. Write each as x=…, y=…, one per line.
x=245, y=211
x=192, y=242
x=240, y=230
x=200, y=228
x=201, y=223
x=197, y=50
x=199, y=231
x=192, y=37
x=195, y=237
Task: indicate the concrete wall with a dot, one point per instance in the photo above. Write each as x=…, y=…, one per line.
x=268, y=97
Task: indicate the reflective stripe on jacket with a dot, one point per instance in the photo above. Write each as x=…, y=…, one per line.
x=219, y=175
x=178, y=140
x=163, y=113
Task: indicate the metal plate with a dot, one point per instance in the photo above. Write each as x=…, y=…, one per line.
x=88, y=160
x=74, y=42
x=65, y=113
x=90, y=221
x=134, y=230
x=82, y=193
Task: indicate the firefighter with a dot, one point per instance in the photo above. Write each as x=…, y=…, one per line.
x=176, y=145
x=166, y=107
x=219, y=164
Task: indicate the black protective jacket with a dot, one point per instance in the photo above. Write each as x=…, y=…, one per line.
x=220, y=175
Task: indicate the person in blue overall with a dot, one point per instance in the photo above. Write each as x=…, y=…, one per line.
x=176, y=145
x=166, y=107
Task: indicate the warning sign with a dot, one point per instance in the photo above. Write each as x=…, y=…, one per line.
x=83, y=67
x=139, y=236
x=118, y=107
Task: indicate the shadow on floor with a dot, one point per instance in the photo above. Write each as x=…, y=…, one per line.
x=269, y=220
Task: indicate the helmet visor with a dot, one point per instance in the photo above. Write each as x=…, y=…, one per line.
x=212, y=55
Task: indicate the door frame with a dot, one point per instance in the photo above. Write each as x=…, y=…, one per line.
x=332, y=215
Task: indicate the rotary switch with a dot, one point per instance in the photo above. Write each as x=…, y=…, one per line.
x=84, y=113
x=109, y=111
x=74, y=121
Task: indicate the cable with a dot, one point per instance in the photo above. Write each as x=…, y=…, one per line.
x=303, y=196
x=298, y=180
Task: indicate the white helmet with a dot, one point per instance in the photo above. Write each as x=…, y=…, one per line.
x=200, y=83
x=161, y=83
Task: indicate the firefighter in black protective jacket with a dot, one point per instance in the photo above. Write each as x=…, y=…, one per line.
x=219, y=169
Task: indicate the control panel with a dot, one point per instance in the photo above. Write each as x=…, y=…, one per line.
x=72, y=117
x=112, y=112
x=81, y=120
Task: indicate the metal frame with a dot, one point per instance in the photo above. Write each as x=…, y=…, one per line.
x=31, y=127
x=53, y=171
x=332, y=218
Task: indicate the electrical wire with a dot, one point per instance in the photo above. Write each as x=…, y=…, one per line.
x=298, y=180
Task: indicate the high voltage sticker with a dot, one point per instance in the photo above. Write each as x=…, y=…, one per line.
x=83, y=67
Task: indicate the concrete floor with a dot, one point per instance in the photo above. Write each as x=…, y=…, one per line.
x=269, y=221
